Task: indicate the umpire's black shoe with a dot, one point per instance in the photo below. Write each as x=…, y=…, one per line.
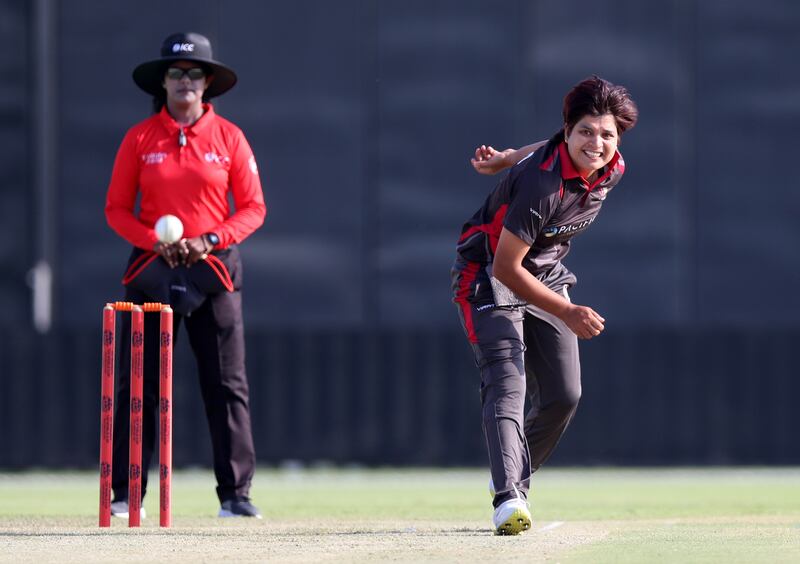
x=240, y=507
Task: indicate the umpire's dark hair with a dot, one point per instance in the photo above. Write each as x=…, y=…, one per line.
x=595, y=96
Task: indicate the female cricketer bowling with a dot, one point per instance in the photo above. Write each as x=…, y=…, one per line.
x=511, y=288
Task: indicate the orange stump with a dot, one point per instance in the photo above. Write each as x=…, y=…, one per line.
x=137, y=403
x=107, y=415
x=165, y=419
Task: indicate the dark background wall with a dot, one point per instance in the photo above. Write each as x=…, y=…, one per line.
x=362, y=116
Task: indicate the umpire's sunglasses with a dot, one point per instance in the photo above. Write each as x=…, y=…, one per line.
x=194, y=73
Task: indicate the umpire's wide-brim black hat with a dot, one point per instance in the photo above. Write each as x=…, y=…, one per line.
x=188, y=46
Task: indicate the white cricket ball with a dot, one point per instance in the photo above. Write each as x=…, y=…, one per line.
x=169, y=229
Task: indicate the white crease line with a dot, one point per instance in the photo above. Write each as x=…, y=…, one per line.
x=551, y=526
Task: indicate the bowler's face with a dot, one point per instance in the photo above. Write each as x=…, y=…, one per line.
x=592, y=143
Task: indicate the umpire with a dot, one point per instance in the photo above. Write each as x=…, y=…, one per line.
x=186, y=160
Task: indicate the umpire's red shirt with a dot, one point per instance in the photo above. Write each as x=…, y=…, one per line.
x=190, y=181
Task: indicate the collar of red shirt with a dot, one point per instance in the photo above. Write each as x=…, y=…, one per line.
x=172, y=126
x=568, y=170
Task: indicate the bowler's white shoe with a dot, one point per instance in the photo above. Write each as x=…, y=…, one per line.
x=512, y=517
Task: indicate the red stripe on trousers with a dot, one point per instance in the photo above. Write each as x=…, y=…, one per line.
x=467, y=277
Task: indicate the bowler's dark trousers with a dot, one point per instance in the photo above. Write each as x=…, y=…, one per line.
x=216, y=335
x=523, y=350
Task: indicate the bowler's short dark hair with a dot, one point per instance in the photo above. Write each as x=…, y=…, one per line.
x=595, y=96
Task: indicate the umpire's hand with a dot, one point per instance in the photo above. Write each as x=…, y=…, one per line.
x=169, y=252
x=192, y=250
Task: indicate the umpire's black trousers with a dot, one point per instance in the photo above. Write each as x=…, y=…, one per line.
x=216, y=335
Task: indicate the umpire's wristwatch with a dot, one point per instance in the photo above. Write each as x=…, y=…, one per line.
x=212, y=238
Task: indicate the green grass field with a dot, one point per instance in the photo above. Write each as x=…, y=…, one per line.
x=594, y=515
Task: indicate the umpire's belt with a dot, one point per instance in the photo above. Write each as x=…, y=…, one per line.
x=183, y=288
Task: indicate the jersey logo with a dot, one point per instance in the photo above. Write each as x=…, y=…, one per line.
x=153, y=158
x=253, y=165
x=212, y=157
x=567, y=229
